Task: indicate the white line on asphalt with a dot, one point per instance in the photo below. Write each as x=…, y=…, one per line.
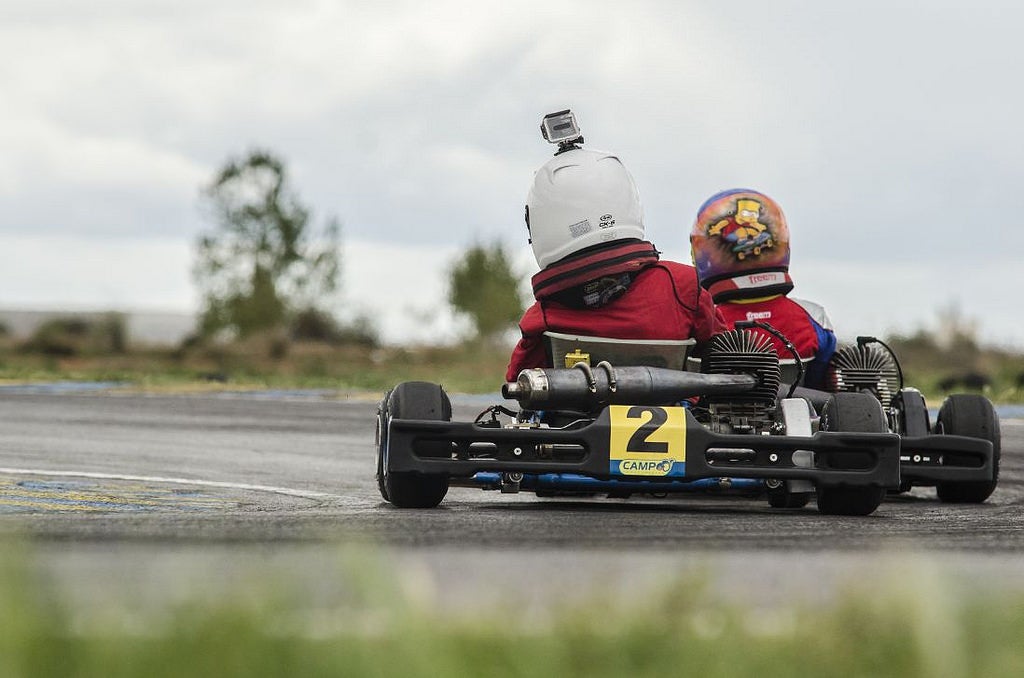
x=171, y=481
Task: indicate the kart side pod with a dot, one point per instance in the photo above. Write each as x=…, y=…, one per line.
x=586, y=388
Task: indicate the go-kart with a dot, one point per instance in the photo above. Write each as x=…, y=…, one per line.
x=624, y=417
x=959, y=455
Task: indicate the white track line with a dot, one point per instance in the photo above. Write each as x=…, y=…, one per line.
x=171, y=481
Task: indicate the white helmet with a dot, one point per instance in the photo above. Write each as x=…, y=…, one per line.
x=581, y=198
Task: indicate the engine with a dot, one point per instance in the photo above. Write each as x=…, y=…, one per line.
x=743, y=352
x=864, y=367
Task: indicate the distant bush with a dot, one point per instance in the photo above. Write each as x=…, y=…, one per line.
x=970, y=381
x=360, y=332
x=953, y=361
x=79, y=335
x=313, y=324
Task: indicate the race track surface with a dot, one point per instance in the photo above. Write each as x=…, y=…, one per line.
x=197, y=476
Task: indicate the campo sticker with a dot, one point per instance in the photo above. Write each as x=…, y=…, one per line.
x=647, y=441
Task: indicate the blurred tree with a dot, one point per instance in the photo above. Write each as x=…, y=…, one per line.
x=483, y=286
x=263, y=260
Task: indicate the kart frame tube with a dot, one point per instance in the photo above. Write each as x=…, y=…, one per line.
x=569, y=482
x=875, y=460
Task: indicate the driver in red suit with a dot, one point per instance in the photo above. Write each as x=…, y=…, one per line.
x=599, y=276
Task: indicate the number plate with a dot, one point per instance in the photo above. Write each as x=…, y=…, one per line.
x=647, y=441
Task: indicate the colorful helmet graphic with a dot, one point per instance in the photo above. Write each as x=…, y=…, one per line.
x=740, y=246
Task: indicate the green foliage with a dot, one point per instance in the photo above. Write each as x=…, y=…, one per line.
x=311, y=324
x=483, y=286
x=352, y=364
x=950, y=359
x=264, y=259
x=79, y=335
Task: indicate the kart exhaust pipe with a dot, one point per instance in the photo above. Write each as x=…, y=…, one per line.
x=585, y=388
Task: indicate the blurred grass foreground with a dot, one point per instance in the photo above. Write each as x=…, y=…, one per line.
x=387, y=625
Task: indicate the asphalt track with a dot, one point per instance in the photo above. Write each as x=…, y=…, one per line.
x=111, y=488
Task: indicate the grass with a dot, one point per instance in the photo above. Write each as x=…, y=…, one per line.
x=915, y=627
x=469, y=369
x=472, y=368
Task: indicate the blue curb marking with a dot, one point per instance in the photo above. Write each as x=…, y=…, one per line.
x=59, y=387
x=66, y=496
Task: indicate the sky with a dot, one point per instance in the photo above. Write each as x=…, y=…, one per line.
x=889, y=132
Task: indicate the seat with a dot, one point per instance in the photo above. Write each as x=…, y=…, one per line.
x=568, y=349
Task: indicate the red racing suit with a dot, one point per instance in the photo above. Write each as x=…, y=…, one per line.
x=804, y=323
x=664, y=301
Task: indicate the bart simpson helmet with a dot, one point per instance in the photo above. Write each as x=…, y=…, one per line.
x=740, y=246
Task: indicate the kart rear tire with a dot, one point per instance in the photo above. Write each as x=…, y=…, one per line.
x=852, y=413
x=412, y=400
x=969, y=415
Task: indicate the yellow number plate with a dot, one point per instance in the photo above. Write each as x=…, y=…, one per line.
x=647, y=441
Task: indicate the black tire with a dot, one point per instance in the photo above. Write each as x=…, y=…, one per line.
x=380, y=443
x=860, y=413
x=913, y=413
x=781, y=499
x=973, y=416
x=412, y=400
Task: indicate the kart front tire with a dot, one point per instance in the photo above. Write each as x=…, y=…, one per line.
x=851, y=413
x=412, y=400
x=380, y=444
x=969, y=415
x=788, y=500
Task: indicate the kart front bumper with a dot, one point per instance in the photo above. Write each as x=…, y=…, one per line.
x=462, y=449
x=932, y=459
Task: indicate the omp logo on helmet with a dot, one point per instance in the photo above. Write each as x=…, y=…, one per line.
x=637, y=467
x=742, y=231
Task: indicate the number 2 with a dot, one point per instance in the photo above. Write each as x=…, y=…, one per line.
x=640, y=440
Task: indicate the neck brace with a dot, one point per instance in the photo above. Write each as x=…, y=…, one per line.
x=627, y=256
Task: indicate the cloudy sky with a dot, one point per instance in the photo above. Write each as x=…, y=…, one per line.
x=890, y=133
